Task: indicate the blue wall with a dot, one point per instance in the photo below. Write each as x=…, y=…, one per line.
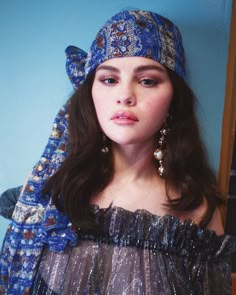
x=33, y=82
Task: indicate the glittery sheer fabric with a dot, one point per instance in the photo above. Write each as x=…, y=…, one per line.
x=139, y=253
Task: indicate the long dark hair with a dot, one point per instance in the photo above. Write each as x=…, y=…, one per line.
x=87, y=171
x=186, y=163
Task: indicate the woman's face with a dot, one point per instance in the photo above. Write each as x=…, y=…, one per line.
x=132, y=96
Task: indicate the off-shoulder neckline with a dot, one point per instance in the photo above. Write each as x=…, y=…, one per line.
x=97, y=208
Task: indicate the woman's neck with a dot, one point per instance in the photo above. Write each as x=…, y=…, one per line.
x=133, y=162
x=135, y=183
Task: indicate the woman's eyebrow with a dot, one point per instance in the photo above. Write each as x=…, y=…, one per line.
x=136, y=70
x=150, y=67
x=108, y=68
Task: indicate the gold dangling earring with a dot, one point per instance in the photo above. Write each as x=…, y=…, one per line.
x=105, y=148
x=160, y=151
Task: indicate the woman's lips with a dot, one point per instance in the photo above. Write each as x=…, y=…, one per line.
x=124, y=118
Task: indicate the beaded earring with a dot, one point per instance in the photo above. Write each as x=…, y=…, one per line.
x=160, y=151
x=105, y=148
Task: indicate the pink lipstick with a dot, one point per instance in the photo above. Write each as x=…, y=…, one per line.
x=124, y=118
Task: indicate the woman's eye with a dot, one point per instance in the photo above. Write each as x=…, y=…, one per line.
x=109, y=81
x=148, y=82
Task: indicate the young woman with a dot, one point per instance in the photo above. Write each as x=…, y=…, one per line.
x=122, y=200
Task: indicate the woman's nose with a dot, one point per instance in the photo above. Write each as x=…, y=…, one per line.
x=126, y=95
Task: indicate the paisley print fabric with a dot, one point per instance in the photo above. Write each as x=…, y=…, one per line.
x=129, y=33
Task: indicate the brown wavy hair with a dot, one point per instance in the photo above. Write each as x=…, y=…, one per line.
x=87, y=171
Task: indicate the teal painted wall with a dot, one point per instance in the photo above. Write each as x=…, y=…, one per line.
x=33, y=82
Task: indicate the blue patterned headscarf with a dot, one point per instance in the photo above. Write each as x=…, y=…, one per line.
x=129, y=33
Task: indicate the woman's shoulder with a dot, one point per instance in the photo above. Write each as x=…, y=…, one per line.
x=197, y=214
x=216, y=223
